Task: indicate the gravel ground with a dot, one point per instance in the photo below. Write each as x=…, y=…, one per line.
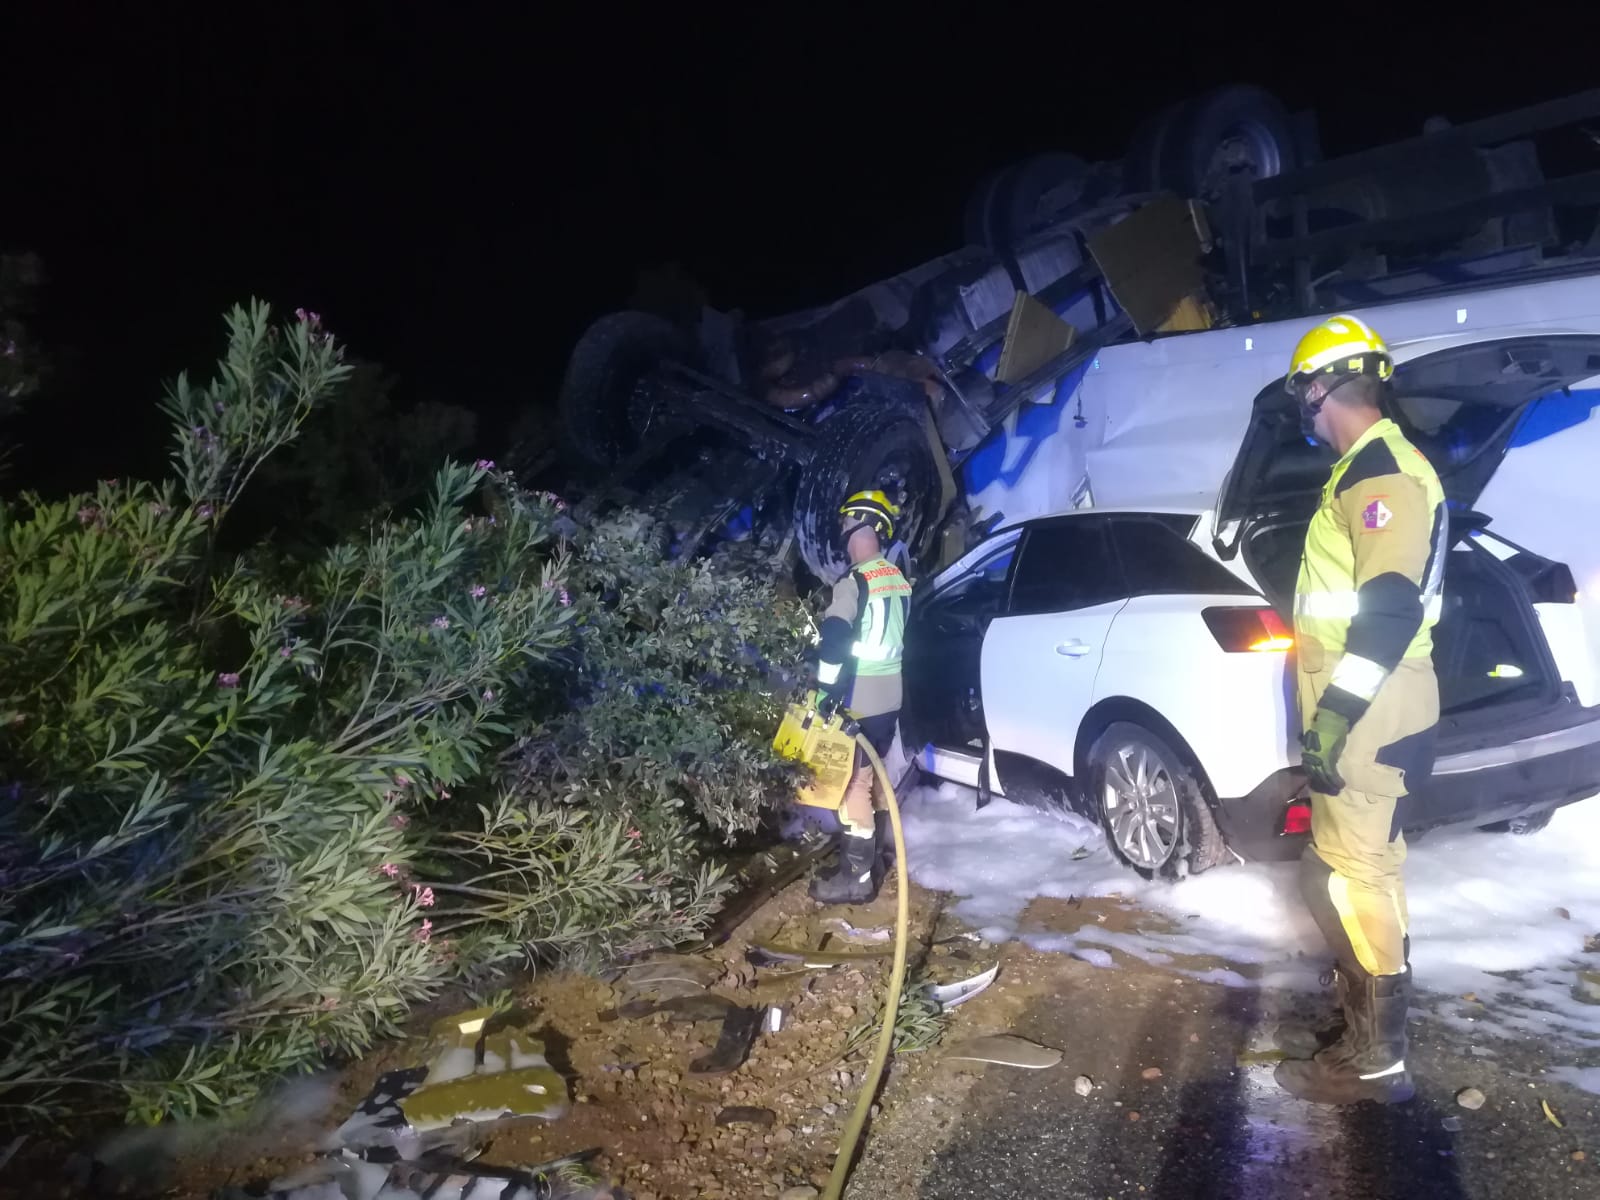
x=1183, y=1105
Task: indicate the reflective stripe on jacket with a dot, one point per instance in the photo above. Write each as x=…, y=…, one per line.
x=1371, y=579
x=865, y=623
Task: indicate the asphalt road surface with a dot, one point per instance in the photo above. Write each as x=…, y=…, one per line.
x=1212, y=1123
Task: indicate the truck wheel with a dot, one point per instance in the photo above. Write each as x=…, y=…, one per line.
x=598, y=426
x=1231, y=132
x=981, y=223
x=869, y=443
x=1039, y=189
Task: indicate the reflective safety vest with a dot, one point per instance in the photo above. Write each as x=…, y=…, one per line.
x=1373, y=572
x=880, y=630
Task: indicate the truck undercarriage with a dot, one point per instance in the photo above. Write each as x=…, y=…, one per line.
x=1219, y=214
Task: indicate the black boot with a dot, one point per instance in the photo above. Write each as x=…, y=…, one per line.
x=1369, y=1061
x=855, y=880
x=1299, y=1040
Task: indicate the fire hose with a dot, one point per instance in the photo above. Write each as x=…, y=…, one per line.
x=851, y=1137
x=817, y=734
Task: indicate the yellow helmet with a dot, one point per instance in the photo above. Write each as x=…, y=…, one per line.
x=872, y=508
x=1341, y=345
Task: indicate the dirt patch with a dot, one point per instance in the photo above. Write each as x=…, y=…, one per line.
x=662, y=1132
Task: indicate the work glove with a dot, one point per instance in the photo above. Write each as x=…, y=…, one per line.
x=1320, y=748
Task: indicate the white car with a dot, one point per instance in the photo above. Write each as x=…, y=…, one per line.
x=1135, y=662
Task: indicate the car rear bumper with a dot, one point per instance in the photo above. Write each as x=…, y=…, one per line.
x=1484, y=785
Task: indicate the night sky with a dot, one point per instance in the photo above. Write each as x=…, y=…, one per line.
x=460, y=195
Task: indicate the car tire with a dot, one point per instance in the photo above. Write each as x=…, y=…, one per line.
x=872, y=442
x=1168, y=832
x=1524, y=825
x=596, y=398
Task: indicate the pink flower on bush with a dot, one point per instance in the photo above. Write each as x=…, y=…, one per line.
x=402, y=780
x=634, y=835
x=441, y=622
x=306, y=317
x=399, y=820
x=158, y=509
x=285, y=651
x=293, y=603
x=390, y=870
x=564, y=598
x=424, y=895
x=483, y=464
x=554, y=501
x=204, y=512
x=87, y=513
x=488, y=695
x=478, y=592
x=227, y=679
x=425, y=932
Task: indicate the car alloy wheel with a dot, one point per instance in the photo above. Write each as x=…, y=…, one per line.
x=1142, y=810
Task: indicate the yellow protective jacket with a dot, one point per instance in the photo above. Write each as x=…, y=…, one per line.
x=1370, y=587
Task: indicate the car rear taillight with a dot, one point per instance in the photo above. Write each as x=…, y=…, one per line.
x=1297, y=817
x=1248, y=630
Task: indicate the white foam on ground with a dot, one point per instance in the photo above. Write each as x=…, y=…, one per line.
x=1481, y=904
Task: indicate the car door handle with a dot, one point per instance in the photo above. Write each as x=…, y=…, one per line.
x=1074, y=648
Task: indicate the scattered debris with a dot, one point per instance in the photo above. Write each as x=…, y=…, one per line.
x=705, y=1006
x=1587, y=987
x=1550, y=1115
x=1452, y=1124
x=1579, y=1156
x=1194, y=1039
x=739, y=1031
x=665, y=976
x=1591, y=943
x=764, y=953
x=950, y=995
x=1150, y=1073
x=1081, y=853
x=1083, y=1085
x=1470, y=1098
x=1472, y=998
x=345, y=1177
x=741, y=1114
x=774, y=1019
x=799, y=1193
x=1007, y=1050
x=1258, y=1058
x=879, y=934
x=1133, y=1115
x=1563, y=914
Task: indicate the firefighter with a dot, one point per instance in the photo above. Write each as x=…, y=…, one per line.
x=858, y=667
x=1366, y=603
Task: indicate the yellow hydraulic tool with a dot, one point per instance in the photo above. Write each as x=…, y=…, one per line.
x=827, y=743
x=820, y=741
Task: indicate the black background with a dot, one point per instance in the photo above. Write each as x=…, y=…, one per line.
x=459, y=190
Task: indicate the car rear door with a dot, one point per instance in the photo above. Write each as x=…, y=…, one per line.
x=1040, y=659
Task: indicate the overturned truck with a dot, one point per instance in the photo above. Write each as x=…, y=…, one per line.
x=1221, y=212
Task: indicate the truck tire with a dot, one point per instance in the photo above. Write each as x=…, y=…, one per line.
x=1039, y=189
x=871, y=442
x=1231, y=131
x=596, y=397
x=981, y=223
x=1141, y=165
